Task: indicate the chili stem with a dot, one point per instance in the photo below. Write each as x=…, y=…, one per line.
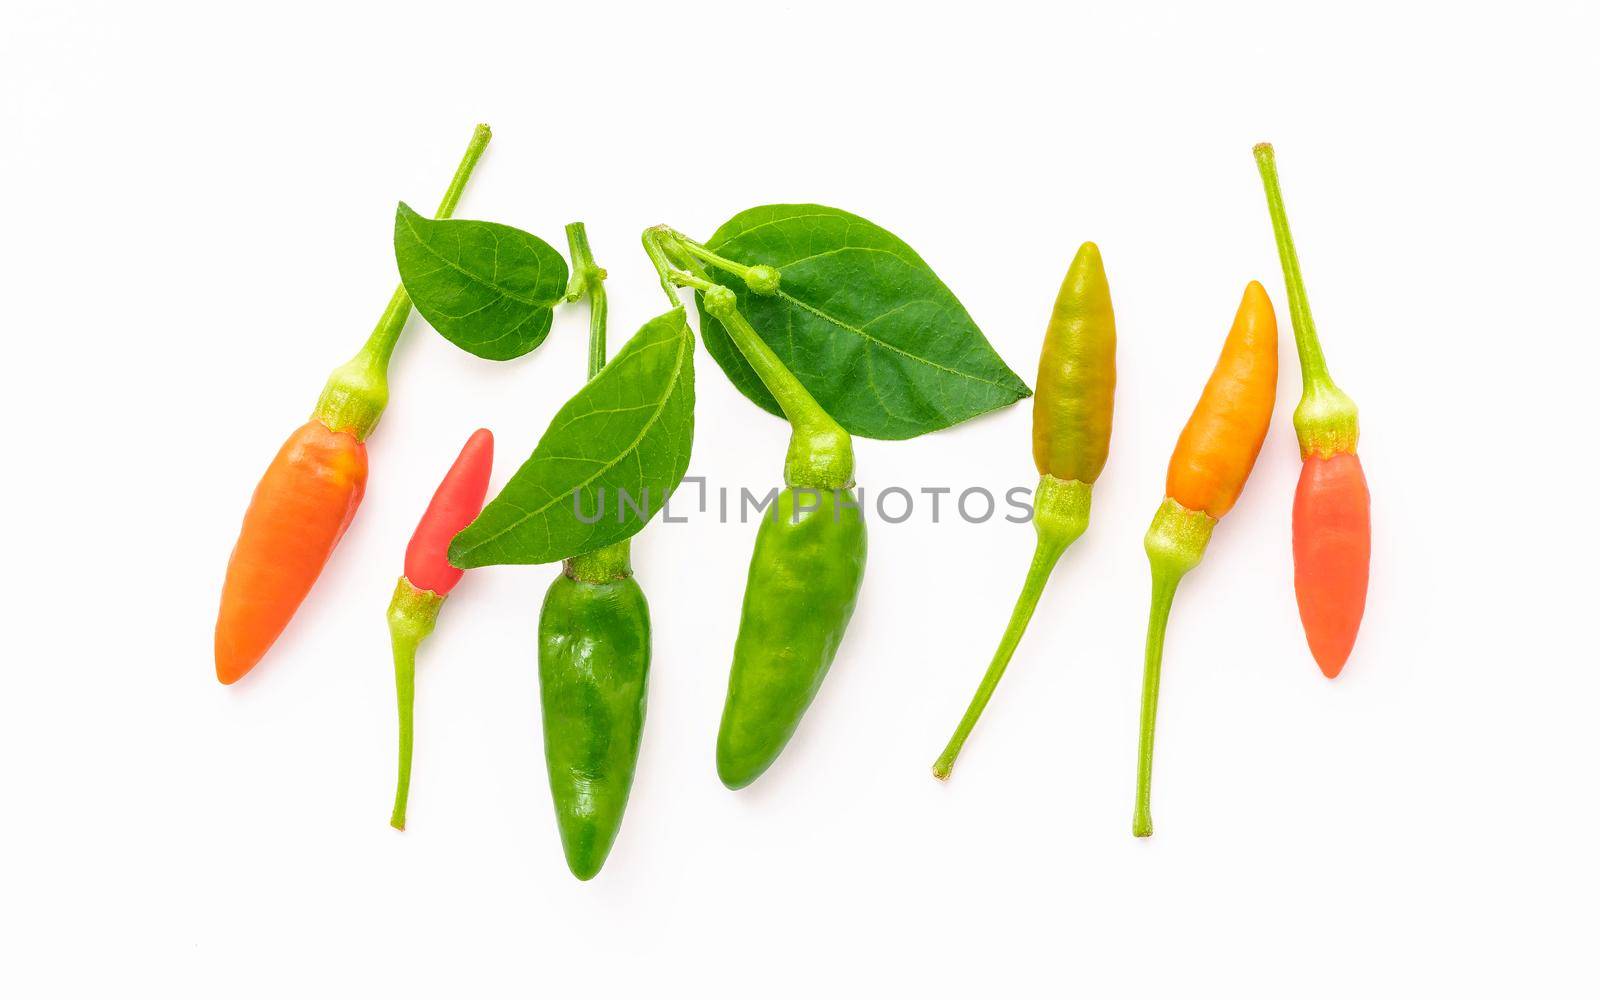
x=405, y=689
x=1164, y=585
x=357, y=392
x=655, y=242
x=588, y=278
x=820, y=451
x=380, y=346
x=412, y=615
x=1313, y=366
x=1045, y=556
x=760, y=280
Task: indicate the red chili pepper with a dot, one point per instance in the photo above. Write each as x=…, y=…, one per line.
x=1332, y=508
x=428, y=578
x=309, y=494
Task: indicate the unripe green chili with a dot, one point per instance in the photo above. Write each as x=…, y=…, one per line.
x=811, y=549
x=805, y=573
x=1071, y=437
x=594, y=657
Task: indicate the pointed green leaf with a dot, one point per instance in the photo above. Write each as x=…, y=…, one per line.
x=487, y=288
x=613, y=454
x=861, y=320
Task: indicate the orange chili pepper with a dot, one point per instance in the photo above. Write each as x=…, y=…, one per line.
x=1219, y=444
x=304, y=503
x=298, y=514
x=1332, y=509
x=1214, y=456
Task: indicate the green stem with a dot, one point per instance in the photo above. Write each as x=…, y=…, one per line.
x=1060, y=516
x=358, y=390
x=1175, y=544
x=1163, y=587
x=657, y=244
x=588, y=278
x=412, y=615
x=762, y=279
x=820, y=452
x=1313, y=366
x=1326, y=421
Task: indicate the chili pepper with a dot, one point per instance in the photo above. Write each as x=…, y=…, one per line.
x=1215, y=453
x=1071, y=438
x=806, y=571
x=594, y=657
x=428, y=580
x=1332, y=508
x=310, y=492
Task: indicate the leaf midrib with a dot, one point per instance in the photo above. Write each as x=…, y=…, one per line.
x=864, y=335
x=447, y=262
x=632, y=447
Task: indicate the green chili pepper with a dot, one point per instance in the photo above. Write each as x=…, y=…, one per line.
x=811, y=549
x=805, y=573
x=810, y=556
x=594, y=666
x=1071, y=437
x=594, y=658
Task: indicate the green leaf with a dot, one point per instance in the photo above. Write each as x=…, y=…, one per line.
x=861, y=320
x=629, y=429
x=487, y=288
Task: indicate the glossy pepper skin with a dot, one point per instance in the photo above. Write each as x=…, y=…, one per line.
x=1215, y=453
x=1072, y=406
x=1073, y=400
x=805, y=574
x=1332, y=523
x=309, y=494
x=594, y=669
x=300, y=510
x=1332, y=528
x=1220, y=443
x=594, y=655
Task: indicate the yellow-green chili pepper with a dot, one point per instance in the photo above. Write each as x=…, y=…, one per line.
x=1071, y=437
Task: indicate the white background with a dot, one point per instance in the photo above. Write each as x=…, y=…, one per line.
x=199, y=203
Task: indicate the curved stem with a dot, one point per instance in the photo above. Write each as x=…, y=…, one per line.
x=1060, y=516
x=1045, y=556
x=387, y=333
x=412, y=615
x=357, y=392
x=1313, y=366
x=793, y=398
x=820, y=451
x=657, y=241
x=1163, y=586
x=1175, y=543
x=760, y=279
x=588, y=278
